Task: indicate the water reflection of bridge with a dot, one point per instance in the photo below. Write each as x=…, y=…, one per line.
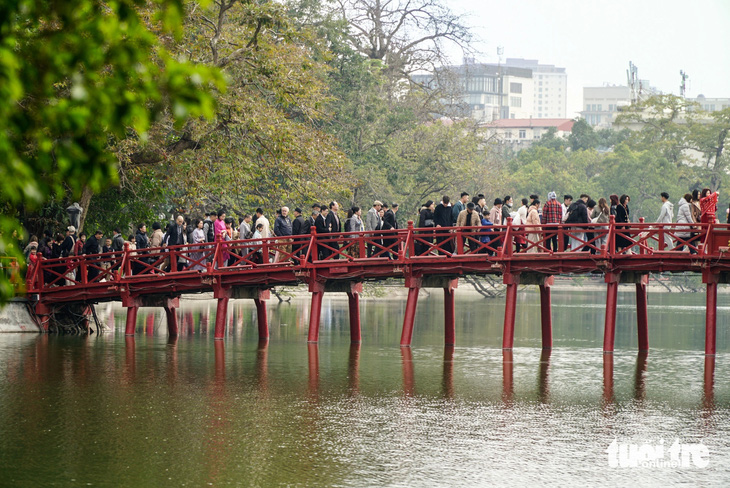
x=424, y=258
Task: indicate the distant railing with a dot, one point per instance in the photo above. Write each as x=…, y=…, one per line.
x=402, y=246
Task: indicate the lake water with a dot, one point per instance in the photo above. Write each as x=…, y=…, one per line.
x=109, y=411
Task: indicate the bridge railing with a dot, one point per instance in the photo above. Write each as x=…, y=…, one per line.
x=399, y=246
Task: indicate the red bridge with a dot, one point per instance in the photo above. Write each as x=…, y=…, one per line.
x=425, y=258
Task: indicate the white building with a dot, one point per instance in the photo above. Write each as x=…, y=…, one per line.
x=489, y=92
x=711, y=104
x=524, y=131
x=550, y=93
x=600, y=103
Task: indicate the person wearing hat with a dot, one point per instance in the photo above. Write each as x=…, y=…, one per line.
x=373, y=221
x=67, y=247
x=552, y=214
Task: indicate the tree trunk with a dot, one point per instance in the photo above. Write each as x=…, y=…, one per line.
x=85, y=201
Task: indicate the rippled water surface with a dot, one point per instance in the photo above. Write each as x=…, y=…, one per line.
x=151, y=411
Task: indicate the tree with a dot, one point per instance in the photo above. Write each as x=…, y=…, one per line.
x=76, y=75
x=407, y=35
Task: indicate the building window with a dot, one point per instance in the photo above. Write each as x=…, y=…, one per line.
x=600, y=107
x=515, y=102
x=508, y=134
x=539, y=89
x=515, y=87
x=511, y=116
x=522, y=133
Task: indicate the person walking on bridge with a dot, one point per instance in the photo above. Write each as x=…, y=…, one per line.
x=442, y=220
x=459, y=207
x=666, y=215
x=283, y=228
x=469, y=218
x=533, y=226
x=552, y=214
x=372, y=222
x=708, y=206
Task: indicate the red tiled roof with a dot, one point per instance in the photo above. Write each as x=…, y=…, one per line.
x=565, y=125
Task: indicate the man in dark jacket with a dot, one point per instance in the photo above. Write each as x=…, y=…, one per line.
x=93, y=246
x=390, y=223
x=333, y=223
x=142, y=242
x=442, y=218
x=578, y=214
x=297, y=226
x=283, y=228
x=208, y=227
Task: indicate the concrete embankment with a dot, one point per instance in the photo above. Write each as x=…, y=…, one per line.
x=14, y=317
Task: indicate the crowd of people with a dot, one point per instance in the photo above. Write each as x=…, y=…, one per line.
x=696, y=207
x=467, y=211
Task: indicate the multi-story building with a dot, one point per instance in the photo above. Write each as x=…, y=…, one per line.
x=550, y=84
x=489, y=92
x=711, y=104
x=601, y=103
x=524, y=131
x=520, y=88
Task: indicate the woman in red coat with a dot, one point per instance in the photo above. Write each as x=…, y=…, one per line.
x=708, y=206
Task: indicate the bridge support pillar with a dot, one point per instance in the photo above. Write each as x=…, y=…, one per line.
x=609, y=330
x=263, y=321
x=508, y=334
x=171, y=313
x=131, y=320
x=711, y=316
x=642, y=317
x=414, y=286
x=546, y=313
x=317, y=290
x=221, y=314
x=450, y=313
x=353, y=298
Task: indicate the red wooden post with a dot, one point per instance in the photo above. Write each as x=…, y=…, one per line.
x=507, y=246
x=263, y=321
x=353, y=298
x=508, y=335
x=611, y=238
x=546, y=314
x=449, y=317
x=315, y=311
x=172, y=328
x=84, y=270
x=609, y=330
x=410, y=316
x=126, y=260
x=220, y=361
x=221, y=314
x=507, y=376
x=711, y=318
x=642, y=318
x=313, y=252
x=219, y=253
x=409, y=240
x=408, y=376
x=642, y=247
x=131, y=321
x=313, y=363
x=608, y=378
x=709, y=382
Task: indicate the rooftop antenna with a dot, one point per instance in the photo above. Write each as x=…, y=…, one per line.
x=497, y=112
x=683, y=85
x=632, y=77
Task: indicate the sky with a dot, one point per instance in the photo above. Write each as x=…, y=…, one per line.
x=595, y=40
